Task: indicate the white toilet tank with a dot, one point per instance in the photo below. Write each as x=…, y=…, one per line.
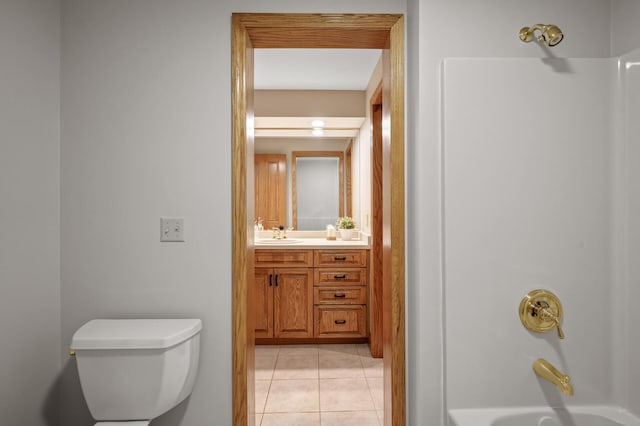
x=136, y=369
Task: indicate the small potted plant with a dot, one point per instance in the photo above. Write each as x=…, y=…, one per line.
x=345, y=225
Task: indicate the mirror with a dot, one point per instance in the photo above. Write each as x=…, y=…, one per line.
x=278, y=184
x=317, y=189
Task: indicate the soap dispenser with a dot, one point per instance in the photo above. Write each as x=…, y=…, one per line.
x=331, y=233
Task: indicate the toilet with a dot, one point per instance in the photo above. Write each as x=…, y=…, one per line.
x=134, y=370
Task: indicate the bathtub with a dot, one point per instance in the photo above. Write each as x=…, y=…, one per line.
x=544, y=416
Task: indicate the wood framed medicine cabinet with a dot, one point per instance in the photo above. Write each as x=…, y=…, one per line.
x=366, y=31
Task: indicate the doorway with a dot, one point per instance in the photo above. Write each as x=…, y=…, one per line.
x=384, y=32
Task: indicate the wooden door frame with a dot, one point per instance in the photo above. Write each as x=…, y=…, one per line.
x=376, y=292
x=348, y=210
x=368, y=31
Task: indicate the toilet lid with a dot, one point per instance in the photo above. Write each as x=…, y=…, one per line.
x=134, y=333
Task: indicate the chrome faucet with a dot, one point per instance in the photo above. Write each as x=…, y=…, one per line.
x=544, y=369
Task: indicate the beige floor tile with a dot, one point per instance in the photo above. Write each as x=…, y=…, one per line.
x=380, y=416
x=296, y=367
x=293, y=396
x=363, y=349
x=349, y=418
x=373, y=367
x=376, y=386
x=338, y=349
x=298, y=350
x=291, y=419
x=261, y=392
x=258, y=419
x=345, y=395
x=340, y=365
x=264, y=366
x=267, y=350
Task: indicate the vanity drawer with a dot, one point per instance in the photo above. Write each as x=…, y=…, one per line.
x=340, y=276
x=340, y=257
x=284, y=258
x=340, y=321
x=340, y=295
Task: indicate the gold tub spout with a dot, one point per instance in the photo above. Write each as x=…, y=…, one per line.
x=544, y=369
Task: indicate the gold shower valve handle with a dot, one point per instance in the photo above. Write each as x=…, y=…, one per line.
x=541, y=311
x=547, y=313
x=560, y=332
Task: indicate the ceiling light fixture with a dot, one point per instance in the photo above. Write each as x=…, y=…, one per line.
x=317, y=123
x=317, y=131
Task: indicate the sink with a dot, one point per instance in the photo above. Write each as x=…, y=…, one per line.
x=278, y=242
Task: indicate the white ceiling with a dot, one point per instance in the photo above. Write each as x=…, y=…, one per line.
x=313, y=69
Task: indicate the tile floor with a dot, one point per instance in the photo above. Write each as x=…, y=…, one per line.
x=313, y=385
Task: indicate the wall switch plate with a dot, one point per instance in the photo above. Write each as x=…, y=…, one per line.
x=171, y=229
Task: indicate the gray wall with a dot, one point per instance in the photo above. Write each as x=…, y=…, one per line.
x=625, y=33
x=146, y=119
x=29, y=211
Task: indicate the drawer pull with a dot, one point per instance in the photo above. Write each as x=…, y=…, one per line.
x=270, y=280
x=339, y=277
x=339, y=258
x=340, y=321
x=276, y=280
x=339, y=295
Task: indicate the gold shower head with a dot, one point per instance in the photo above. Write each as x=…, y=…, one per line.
x=549, y=34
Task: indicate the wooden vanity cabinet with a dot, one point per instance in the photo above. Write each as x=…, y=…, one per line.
x=319, y=294
x=283, y=296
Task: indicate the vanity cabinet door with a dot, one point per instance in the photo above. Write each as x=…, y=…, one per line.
x=293, y=302
x=263, y=302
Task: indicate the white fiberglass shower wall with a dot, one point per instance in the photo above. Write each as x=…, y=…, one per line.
x=626, y=229
x=537, y=194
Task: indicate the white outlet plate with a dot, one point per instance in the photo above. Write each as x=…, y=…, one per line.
x=171, y=229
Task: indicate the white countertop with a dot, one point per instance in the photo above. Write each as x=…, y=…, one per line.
x=312, y=243
x=308, y=240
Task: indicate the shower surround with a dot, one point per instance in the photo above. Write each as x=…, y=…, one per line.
x=539, y=193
